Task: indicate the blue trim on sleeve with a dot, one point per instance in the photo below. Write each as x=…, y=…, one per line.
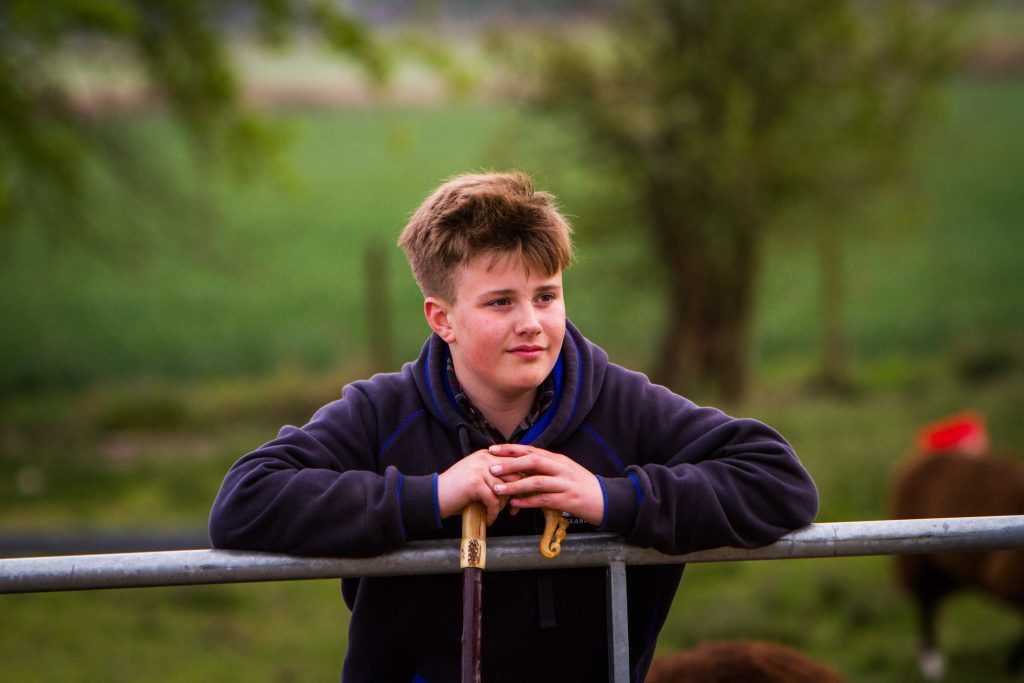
x=419, y=679
x=399, y=430
x=604, y=494
x=636, y=485
x=607, y=449
x=437, y=503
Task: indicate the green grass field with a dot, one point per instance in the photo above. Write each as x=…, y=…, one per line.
x=132, y=378
x=228, y=280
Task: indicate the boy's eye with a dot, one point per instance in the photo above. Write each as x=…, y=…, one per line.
x=500, y=302
x=546, y=298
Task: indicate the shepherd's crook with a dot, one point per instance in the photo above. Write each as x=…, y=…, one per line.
x=473, y=561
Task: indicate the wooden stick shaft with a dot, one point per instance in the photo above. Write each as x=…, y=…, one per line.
x=472, y=612
x=474, y=558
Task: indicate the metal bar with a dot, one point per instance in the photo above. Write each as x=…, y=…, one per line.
x=191, y=567
x=618, y=623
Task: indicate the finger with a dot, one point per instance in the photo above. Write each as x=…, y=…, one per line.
x=510, y=449
x=529, y=486
x=541, y=500
x=493, y=510
x=504, y=501
x=524, y=465
x=508, y=471
x=492, y=503
x=492, y=514
x=519, y=450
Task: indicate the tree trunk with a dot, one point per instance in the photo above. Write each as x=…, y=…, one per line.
x=834, y=374
x=706, y=339
x=733, y=297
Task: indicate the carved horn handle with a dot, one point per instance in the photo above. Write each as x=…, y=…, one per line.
x=554, y=531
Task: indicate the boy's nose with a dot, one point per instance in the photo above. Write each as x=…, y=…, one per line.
x=528, y=323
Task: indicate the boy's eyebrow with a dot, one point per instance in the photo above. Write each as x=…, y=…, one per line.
x=546, y=287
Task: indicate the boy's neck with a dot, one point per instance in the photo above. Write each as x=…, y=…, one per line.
x=505, y=413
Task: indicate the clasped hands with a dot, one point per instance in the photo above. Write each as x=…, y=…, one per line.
x=520, y=476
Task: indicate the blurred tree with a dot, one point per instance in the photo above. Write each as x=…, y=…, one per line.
x=718, y=116
x=49, y=144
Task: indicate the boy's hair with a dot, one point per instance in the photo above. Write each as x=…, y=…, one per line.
x=484, y=213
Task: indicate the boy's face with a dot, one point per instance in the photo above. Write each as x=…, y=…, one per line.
x=505, y=328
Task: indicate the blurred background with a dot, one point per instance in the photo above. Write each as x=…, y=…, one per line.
x=807, y=212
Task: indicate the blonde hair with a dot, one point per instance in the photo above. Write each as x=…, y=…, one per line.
x=484, y=213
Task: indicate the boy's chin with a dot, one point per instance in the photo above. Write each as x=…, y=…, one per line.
x=528, y=381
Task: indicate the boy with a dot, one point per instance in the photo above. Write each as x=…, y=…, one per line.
x=508, y=405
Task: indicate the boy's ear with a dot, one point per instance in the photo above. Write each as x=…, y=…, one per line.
x=436, y=312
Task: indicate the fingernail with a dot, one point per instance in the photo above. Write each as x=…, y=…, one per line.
x=500, y=488
x=494, y=449
x=495, y=469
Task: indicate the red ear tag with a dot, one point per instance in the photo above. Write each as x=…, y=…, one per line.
x=964, y=433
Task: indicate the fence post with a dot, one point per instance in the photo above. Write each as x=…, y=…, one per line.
x=618, y=622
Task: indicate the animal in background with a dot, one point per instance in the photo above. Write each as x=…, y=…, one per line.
x=740, y=661
x=954, y=474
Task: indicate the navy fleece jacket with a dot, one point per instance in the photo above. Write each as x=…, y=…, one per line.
x=361, y=479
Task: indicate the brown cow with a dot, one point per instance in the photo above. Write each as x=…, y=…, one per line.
x=953, y=475
x=740, y=661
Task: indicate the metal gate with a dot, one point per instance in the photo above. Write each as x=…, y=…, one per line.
x=194, y=567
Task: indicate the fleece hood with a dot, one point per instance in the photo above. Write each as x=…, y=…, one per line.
x=579, y=375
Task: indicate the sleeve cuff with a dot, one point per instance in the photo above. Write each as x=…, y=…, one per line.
x=621, y=503
x=417, y=501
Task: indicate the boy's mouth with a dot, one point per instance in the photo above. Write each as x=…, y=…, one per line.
x=527, y=351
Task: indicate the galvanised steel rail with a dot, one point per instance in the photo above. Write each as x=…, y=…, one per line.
x=193, y=567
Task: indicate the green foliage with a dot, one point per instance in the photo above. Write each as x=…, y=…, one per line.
x=719, y=117
x=749, y=103
x=351, y=37
x=48, y=141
